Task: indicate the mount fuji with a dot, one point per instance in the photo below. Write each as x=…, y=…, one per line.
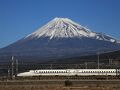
x=59, y=38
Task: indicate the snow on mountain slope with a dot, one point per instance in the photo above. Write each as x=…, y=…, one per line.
x=66, y=28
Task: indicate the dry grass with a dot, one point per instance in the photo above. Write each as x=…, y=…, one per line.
x=57, y=86
x=47, y=87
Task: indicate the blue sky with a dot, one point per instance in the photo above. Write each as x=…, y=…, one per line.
x=19, y=18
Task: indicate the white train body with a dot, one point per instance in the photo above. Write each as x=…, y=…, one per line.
x=70, y=72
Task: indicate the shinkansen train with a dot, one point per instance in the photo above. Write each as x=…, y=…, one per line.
x=71, y=72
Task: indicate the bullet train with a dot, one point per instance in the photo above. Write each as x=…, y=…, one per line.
x=71, y=72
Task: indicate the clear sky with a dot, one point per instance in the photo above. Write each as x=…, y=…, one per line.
x=19, y=18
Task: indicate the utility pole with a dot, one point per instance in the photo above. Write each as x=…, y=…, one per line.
x=51, y=67
x=12, y=67
x=16, y=67
x=8, y=72
x=110, y=61
x=86, y=65
x=98, y=60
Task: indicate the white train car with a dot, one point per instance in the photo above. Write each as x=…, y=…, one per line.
x=71, y=72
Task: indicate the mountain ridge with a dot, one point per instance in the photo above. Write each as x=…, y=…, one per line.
x=48, y=43
x=66, y=28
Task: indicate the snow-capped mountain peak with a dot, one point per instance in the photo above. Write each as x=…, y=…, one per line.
x=62, y=27
x=66, y=28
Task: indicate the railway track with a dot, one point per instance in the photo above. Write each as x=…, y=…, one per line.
x=69, y=78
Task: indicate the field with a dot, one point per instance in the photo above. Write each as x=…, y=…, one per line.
x=60, y=85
